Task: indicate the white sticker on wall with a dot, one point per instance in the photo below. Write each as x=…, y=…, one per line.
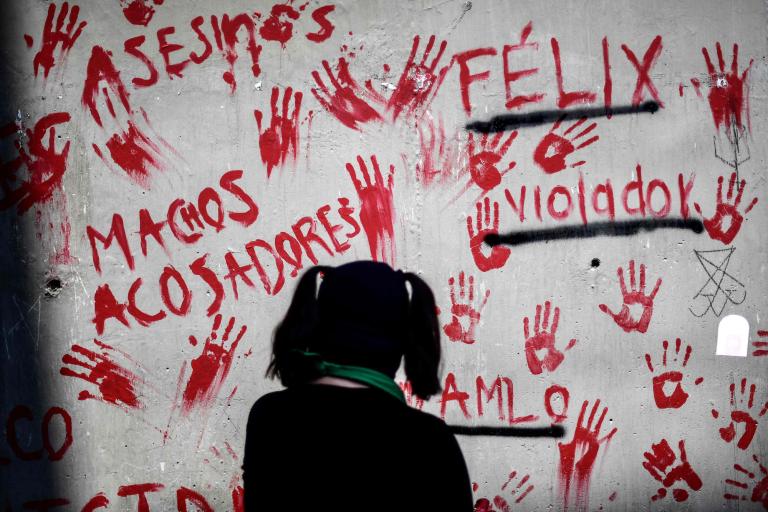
x=732, y=336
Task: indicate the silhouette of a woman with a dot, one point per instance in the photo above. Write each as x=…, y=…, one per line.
x=341, y=437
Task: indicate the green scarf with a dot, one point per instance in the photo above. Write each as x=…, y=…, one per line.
x=356, y=373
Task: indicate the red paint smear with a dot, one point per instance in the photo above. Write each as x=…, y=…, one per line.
x=377, y=213
x=138, y=12
x=28, y=40
x=438, y=155
x=115, y=383
x=346, y=103
x=586, y=441
x=55, y=36
x=227, y=39
x=211, y=367
x=419, y=82
x=277, y=29
x=463, y=306
x=131, y=151
x=281, y=138
x=728, y=91
x=45, y=165
x=101, y=69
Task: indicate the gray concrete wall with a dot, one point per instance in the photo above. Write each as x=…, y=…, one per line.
x=222, y=144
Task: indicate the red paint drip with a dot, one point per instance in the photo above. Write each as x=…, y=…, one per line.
x=116, y=384
x=132, y=151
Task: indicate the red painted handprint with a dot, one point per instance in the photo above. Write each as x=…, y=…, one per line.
x=577, y=457
x=377, y=213
x=728, y=93
x=660, y=463
x=128, y=144
x=486, y=225
x=45, y=165
x=484, y=159
x=116, y=384
x=211, y=367
x=418, y=83
x=678, y=396
x=543, y=338
x=553, y=149
x=281, y=137
x=741, y=415
x=517, y=491
x=464, y=307
x=438, y=156
x=739, y=490
x=624, y=318
x=57, y=36
x=346, y=103
x=725, y=224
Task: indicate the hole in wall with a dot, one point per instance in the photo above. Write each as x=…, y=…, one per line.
x=595, y=262
x=53, y=287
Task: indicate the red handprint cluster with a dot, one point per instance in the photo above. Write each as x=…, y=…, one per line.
x=543, y=339
x=463, y=306
x=677, y=397
x=634, y=296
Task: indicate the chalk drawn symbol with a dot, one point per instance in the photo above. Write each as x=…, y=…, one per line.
x=720, y=287
x=515, y=486
x=739, y=489
x=761, y=346
x=736, y=154
x=660, y=463
x=743, y=415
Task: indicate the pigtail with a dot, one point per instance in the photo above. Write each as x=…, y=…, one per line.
x=422, y=352
x=296, y=331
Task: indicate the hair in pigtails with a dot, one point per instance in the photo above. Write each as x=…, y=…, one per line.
x=295, y=332
x=422, y=352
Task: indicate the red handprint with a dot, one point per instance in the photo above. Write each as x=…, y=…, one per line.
x=44, y=164
x=678, y=397
x=543, y=339
x=741, y=415
x=282, y=134
x=211, y=367
x=577, y=458
x=418, y=83
x=377, y=213
x=624, y=318
x=483, y=159
x=726, y=211
x=346, y=102
x=58, y=35
x=139, y=12
x=553, y=149
x=518, y=492
x=759, y=492
x=465, y=306
x=728, y=93
x=761, y=346
x=485, y=226
x=438, y=156
x=116, y=384
x=660, y=463
x=128, y=144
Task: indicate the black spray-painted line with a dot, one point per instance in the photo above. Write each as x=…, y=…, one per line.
x=553, y=431
x=592, y=230
x=505, y=122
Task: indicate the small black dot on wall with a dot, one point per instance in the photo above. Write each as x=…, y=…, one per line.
x=595, y=262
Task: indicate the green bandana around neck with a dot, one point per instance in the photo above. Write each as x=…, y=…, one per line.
x=360, y=374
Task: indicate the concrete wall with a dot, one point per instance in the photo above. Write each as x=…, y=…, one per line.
x=169, y=167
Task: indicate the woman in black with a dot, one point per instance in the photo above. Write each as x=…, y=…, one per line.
x=340, y=437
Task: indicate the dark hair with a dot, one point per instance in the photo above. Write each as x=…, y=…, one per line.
x=304, y=327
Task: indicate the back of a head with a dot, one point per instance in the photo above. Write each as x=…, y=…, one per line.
x=362, y=315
